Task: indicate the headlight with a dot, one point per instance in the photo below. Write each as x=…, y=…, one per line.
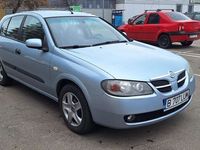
x=190, y=72
x=126, y=88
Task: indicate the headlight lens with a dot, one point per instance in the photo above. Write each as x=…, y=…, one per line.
x=126, y=88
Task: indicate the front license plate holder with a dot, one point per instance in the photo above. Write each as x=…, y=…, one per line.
x=177, y=100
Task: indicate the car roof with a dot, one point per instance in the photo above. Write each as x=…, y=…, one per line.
x=54, y=13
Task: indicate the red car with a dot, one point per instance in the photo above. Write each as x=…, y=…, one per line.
x=163, y=27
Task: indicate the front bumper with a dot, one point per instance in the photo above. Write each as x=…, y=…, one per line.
x=110, y=111
x=184, y=36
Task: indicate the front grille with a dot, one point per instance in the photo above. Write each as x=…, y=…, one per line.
x=181, y=79
x=162, y=85
x=155, y=114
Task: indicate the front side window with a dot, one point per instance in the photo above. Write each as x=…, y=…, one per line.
x=32, y=29
x=177, y=16
x=80, y=31
x=14, y=27
x=4, y=27
x=140, y=20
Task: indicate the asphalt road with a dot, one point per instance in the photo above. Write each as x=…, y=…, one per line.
x=30, y=121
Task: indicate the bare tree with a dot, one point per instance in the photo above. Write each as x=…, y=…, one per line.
x=25, y=4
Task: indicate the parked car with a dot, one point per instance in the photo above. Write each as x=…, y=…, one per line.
x=163, y=27
x=92, y=70
x=193, y=15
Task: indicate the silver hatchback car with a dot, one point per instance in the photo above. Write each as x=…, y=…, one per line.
x=95, y=73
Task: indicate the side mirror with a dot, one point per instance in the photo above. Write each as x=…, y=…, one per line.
x=124, y=33
x=34, y=43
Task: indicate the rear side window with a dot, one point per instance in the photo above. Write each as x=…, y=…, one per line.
x=154, y=19
x=177, y=16
x=32, y=28
x=4, y=27
x=14, y=27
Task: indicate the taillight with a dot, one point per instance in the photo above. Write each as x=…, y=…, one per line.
x=181, y=27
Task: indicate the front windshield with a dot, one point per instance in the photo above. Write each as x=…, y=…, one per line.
x=82, y=31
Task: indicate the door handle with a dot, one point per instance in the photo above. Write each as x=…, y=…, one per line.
x=18, y=51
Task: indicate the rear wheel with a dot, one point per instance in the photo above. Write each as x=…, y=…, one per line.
x=164, y=41
x=4, y=79
x=187, y=43
x=75, y=109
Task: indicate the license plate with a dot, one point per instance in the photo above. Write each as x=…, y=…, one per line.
x=176, y=100
x=193, y=36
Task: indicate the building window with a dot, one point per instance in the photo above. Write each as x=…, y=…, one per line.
x=108, y=4
x=190, y=8
x=179, y=7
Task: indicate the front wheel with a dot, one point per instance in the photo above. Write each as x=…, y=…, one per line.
x=187, y=43
x=75, y=109
x=164, y=41
x=4, y=79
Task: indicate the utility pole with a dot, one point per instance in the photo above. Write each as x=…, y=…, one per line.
x=103, y=7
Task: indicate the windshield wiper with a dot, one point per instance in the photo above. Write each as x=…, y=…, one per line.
x=74, y=46
x=109, y=42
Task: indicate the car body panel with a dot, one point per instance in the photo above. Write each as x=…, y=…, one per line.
x=144, y=58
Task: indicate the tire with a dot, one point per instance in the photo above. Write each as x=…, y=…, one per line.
x=4, y=79
x=164, y=41
x=75, y=110
x=187, y=43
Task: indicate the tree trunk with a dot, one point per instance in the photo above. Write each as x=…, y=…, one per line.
x=17, y=6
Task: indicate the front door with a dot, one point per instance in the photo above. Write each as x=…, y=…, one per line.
x=136, y=31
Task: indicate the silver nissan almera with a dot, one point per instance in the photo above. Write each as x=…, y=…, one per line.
x=92, y=70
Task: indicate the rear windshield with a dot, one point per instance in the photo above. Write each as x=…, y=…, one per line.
x=177, y=16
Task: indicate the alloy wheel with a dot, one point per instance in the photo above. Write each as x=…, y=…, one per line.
x=72, y=109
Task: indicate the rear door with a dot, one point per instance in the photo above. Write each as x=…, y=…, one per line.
x=9, y=43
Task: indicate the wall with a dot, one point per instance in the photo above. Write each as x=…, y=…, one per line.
x=197, y=7
x=98, y=12
x=157, y=2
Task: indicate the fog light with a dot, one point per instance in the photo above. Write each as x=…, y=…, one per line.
x=129, y=118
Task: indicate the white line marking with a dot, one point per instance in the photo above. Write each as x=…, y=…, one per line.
x=195, y=56
x=197, y=75
x=191, y=52
x=188, y=52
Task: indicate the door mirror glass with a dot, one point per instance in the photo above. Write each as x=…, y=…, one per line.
x=34, y=43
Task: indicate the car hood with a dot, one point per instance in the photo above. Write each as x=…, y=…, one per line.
x=131, y=61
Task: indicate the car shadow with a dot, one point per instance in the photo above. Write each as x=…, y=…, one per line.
x=127, y=138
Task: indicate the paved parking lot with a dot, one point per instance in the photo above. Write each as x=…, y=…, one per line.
x=30, y=121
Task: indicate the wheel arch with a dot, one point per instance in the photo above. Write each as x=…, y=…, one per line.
x=163, y=33
x=71, y=80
